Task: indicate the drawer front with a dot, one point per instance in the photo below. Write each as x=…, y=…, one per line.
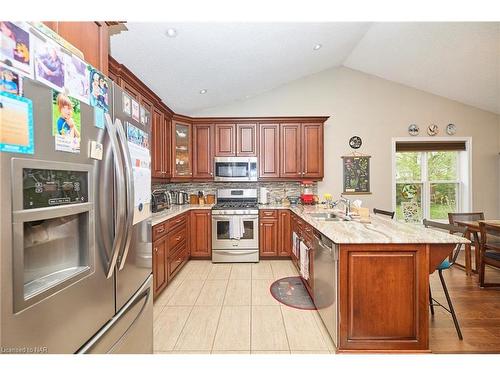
x=176, y=237
x=176, y=221
x=159, y=231
x=268, y=214
x=176, y=261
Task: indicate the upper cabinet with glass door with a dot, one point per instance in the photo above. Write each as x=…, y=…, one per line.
x=182, y=152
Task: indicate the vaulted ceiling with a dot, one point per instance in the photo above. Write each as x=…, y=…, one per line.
x=233, y=61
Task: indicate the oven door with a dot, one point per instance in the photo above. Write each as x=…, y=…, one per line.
x=221, y=238
x=235, y=169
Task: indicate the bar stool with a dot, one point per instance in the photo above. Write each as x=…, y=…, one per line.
x=446, y=264
x=383, y=212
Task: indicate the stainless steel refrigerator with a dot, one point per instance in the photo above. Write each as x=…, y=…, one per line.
x=75, y=236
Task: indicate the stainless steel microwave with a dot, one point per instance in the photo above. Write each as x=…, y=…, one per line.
x=235, y=168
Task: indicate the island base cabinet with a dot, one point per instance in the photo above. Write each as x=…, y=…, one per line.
x=384, y=296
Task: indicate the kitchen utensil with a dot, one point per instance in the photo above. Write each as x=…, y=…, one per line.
x=193, y=199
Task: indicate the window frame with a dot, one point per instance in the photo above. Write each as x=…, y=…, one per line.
x=464, y=174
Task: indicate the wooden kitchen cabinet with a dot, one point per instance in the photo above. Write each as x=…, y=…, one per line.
x=181, y=150
x=159, y=265
x=246, y=139
x=284, y=233
x=312, y=150
x=203, y=151
x=269, y=150
x=158, y=145
x=170, y=250
x=268, y=237
x=225, y=139
x=201, y=234
x=290, y=155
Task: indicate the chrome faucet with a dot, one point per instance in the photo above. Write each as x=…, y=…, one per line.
x=347, y=204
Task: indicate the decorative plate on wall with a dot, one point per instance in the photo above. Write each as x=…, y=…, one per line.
x=451, y=129
x=355, y=142
x=432, y=129
x=413, y=129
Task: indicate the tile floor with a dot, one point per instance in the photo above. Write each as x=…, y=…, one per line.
x=228, y=309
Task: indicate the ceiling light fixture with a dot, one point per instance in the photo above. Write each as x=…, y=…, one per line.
x=317, y=46
x=171, y=32
x=203, y=91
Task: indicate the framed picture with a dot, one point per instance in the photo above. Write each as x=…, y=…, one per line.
x=135, y=110
x=126, y=104
x=356, y=174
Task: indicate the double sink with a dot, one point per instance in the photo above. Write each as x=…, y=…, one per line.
x=326, y=216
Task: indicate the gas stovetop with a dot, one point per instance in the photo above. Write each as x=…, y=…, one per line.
x=236, y=202
x=235, y=205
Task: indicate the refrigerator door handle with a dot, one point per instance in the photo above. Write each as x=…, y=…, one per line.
x=143, y=296
x=130, y=198
x=121, y=196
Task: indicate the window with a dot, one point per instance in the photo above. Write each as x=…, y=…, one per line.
x=430, y=184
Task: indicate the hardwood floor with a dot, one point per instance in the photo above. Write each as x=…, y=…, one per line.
x=478, y=312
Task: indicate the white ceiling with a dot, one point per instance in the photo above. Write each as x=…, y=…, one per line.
x=460, y=61
x=238, y=60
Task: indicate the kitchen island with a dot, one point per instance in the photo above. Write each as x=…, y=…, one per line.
x=382, y=280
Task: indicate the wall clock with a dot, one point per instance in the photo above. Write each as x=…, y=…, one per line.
x=451, y=129
x=432, y=129
x=413, y=129
x=355, y=142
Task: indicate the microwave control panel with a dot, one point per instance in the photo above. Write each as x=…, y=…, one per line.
x=49, y=187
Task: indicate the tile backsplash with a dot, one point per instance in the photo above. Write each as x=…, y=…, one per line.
x=276, y=189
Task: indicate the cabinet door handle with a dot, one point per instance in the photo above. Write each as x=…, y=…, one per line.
x=177, y=238
x=156, y=249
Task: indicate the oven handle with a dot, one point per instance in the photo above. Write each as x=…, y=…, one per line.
x=220, y=217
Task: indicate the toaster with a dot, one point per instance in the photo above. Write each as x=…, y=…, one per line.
x=160, y=200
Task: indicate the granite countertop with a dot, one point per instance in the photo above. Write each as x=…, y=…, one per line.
x=175, y=210
x=380, y=230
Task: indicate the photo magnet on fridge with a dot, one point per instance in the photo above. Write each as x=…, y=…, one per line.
x=99, y=89
x=99, y=117
x=49, y=63
x=76, y=78
x=16, y=124
x=16, y=47
x=66, y=122
x=11, y=82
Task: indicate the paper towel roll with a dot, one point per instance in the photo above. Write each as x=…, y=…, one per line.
x=263, y=195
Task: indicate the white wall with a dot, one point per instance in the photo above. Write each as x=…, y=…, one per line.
x=377, y=110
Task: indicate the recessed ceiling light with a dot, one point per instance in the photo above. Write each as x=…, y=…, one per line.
x=317, y=46
x=171, y=32
x=203, y=91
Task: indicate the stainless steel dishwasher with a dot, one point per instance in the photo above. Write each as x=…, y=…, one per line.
x=326, y=261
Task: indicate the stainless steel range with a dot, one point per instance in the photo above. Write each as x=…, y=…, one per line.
x=235, y=226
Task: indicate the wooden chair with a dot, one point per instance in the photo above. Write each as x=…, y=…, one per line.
x=382, y=212
x=446, y=264
x=453, y=217
x=489, y=250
